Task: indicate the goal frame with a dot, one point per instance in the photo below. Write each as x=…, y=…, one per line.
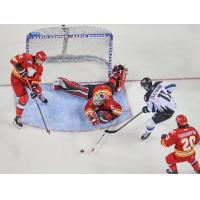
x=70, y=58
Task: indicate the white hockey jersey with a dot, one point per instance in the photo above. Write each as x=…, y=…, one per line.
x=159, y=98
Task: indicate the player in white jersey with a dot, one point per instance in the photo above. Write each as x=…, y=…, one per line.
x=159, y=101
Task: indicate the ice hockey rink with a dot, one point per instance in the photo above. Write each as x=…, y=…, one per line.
x=162, y=52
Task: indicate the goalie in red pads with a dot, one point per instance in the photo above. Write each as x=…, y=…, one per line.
x=101, y=107
x=184, y=138
x=27, y=72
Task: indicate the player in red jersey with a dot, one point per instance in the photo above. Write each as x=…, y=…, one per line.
x=27, y=72
x=184, y=138
x=101, y=107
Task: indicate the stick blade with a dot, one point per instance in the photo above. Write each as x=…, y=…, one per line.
x=111, y=131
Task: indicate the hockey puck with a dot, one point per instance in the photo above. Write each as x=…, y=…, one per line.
x=82, y=151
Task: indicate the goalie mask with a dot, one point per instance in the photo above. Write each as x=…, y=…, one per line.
x=99, y=99
x=146, y=83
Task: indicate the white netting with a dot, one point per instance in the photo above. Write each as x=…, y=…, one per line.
x=81, y=43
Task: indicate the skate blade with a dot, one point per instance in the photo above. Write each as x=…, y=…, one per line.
x=18, y=127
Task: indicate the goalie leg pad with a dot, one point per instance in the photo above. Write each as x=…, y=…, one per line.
x=74, y=88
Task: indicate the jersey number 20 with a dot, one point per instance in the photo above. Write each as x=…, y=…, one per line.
x=188, y=143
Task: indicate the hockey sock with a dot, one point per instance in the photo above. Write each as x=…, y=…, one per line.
x=150, y=126
x=195, y=165
x=173, y=167
x=21, y=105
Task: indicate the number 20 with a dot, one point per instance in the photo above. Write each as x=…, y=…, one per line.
x=188, y=143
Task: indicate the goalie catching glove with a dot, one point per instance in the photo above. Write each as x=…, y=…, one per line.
x=119, y=75
x=117, y=68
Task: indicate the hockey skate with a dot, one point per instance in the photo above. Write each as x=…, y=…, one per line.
x=42, y=98
x=169, y=171
x=17, y=122
x=145, y=135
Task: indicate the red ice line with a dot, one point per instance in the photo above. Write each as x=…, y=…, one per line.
x=135, y=80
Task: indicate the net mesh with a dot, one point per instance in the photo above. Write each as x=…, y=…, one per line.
x=78, y=43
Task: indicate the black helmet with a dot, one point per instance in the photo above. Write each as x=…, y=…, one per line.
x=146, y=83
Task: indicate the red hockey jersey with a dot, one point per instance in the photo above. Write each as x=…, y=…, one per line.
x=102, y=88
x=26, y=61
x=109, y=104
x=184, y=140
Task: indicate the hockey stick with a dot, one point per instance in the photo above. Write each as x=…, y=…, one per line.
x=116, y=130
x=100, y=139
x=48, y=131
x=98, y=142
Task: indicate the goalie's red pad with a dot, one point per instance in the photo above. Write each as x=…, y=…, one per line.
x=74, y=88
x=122, y=78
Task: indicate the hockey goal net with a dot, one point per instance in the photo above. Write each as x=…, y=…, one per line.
x=72, y=44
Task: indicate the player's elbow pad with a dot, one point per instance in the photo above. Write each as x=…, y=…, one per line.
x=18, y=67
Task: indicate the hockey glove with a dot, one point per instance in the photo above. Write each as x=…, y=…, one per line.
x=92, y=117
x=35, y=91
x=95, y=122
x=145, y=109
x=105, y=116
x=117, y=69
x=33, y=95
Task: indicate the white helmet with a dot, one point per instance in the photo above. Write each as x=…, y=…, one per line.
x=98, y=99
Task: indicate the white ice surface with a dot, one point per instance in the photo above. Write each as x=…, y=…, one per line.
x=158, y=51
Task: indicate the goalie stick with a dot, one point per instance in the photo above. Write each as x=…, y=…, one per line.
x=116, y=130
